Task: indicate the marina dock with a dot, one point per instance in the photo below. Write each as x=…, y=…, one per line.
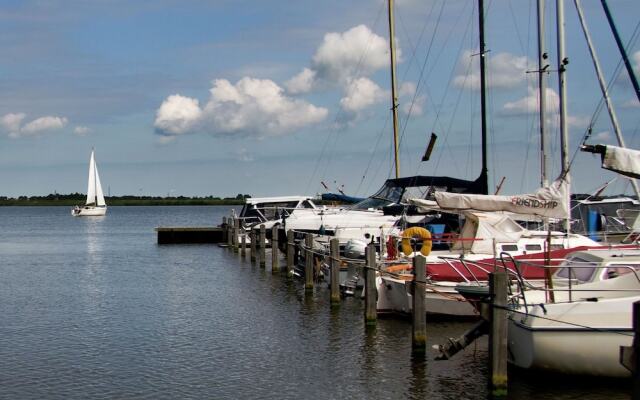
x=182, y=234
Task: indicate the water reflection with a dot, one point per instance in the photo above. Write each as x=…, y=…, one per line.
x=418, y=387
x=94, y=308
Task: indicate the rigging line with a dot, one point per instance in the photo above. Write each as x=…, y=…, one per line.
x=340, y=112
x=422, y=69
x=515, y=25
x=373, y=153
x=405, y=120
x=530, y=122
x=437, y=121
x=610, y=83
x=469, y=25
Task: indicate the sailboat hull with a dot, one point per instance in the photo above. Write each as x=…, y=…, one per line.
x=89, y=211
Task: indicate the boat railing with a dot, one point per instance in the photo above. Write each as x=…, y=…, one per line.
x=566, y=284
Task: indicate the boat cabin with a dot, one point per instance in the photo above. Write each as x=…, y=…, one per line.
x=262, y=209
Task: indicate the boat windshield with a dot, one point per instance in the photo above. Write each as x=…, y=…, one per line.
x=577, y=268
x=391, y=194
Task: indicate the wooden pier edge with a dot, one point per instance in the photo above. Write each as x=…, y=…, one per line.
x=184, y=234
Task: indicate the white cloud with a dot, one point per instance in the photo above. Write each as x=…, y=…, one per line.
x=12, y=123
x=578, y=121
x=530, y=103
x=81, y=130
x=631, y=103
x=409, y=103
x=357, y=52
x=44, y=124
x=256, y=107
x=504, y=70
x=177, y=115
x=360, y=94
x=343, y=58
x=301, y=83
x=602, y=136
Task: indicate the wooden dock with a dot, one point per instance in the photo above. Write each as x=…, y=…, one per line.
x=181, y=234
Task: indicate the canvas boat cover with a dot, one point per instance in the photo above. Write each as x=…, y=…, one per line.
x=618, y=159
x=550, y=201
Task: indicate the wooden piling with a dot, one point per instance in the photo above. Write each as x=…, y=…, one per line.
x=252, y=237
x=275, y=259
x=236, y=232
x=229, y=232
x=291, y=251
x=334, y=245
x=630, y=355
x=635, y=373
x=498, y=286
x=308, y=262
x=224, y=229
x=419, y=330
x=263, y=246
x=370, y=290
x=243, y=244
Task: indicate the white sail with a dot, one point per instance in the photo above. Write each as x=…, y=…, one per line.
x=91, y=185
x=99, y=195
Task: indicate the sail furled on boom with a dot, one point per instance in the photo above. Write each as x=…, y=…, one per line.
x=549, y=201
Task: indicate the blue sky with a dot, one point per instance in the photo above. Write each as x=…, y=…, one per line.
x=271, y=98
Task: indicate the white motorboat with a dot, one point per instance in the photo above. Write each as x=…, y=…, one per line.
x=95, y=204
x=581, y=337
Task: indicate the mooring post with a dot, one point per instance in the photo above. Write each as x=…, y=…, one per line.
x=230, y=232
x=419, y=338
x=635, y=373
x=224, y=229
x=263, y=246
x=498, y=285
x=334, y=245
x=308, y=262
x=291, y=251
x=252, y=238
x=236, y=232
x=630, y=355
x=275, y=259
x=370, y=290
x=243, y=244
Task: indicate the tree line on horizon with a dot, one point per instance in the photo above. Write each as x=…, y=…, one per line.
x=78, y=198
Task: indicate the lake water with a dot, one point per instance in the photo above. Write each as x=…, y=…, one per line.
x=94, y=308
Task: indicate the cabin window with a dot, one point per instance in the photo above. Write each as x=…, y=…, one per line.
x=533, y=247
x=579, y=269
x=307, y=204
x=509, y=247
x=614, y=271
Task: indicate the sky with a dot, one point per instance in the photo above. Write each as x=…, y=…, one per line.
x=266, y=98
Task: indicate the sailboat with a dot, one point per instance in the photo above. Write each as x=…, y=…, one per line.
x=95, y=204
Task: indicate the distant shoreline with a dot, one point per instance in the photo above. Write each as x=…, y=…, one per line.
x=79, y=199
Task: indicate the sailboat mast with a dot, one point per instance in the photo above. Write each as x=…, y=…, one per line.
x=623, y=52
x=603, y=86
x=562, y=89
x=394, y=95
x=542, y=93
x=483, y=100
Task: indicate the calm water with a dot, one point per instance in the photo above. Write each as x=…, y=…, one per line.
x=94, y=308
